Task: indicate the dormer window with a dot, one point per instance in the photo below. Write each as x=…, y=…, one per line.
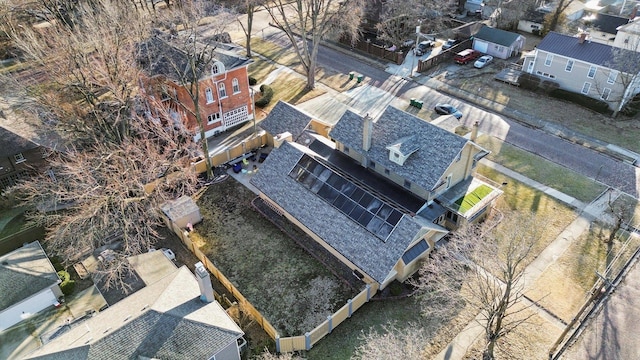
x=400, y=150
x=19, y=158
x=217, y=68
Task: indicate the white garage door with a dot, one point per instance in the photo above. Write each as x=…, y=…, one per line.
x=481, y=46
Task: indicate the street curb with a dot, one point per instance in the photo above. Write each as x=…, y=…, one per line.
x=522, y=118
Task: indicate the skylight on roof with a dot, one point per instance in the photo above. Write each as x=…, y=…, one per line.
x=357, y=203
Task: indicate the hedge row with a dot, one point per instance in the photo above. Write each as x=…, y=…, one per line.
x=267, y=94
x=583, y=100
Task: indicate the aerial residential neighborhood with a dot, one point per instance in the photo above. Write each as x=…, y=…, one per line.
x=406, y=179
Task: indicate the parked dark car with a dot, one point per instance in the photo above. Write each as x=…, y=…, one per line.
x=450, y=43
x=447, y=109
x=423, y=47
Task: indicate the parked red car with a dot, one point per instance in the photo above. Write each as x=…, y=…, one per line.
x=466, y=56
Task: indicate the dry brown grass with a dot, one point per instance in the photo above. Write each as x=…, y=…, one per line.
x=620, y=131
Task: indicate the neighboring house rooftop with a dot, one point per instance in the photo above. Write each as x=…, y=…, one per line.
x=632, y=27
x=605, y=23
x=570, y=47
x=23, y=273
x=534, y=15
x=13, y=143
x=374, y=255
x=497, y=36
x=165, y=320
x=158, y=56
x=285, y=118
x=425, y=167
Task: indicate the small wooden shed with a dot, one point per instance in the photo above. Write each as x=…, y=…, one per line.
x=182, y=211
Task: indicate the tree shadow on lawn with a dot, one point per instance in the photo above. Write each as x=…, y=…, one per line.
x=294, y=291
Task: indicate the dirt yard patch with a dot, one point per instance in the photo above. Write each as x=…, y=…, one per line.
x=287, y=285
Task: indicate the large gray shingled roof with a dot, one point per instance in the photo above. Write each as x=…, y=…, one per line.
x=371, y=254
x=285, y=117
x=425, y=167
x=23, y=273
x=165, y=320
x=159, y=55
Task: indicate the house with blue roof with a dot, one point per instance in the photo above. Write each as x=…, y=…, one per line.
x=378, y=194
x=587, y=67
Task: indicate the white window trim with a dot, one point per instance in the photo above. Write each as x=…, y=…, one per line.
x=19, y=158
x=586, y=85
x=222, y=87
x=595, y=69
x=209, y=95
x=235, y=84
x=613, y=75
x=549, y=60
x=569, y=66
x=213, y=118
x=605, y=94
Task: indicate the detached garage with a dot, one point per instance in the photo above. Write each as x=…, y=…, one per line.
x=28, y=284
x=498, y=43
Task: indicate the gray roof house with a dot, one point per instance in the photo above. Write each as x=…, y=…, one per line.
x=603, y=28
x=165, y=320
x=376, y=194
x=28, y=284
x=596, y=70
x=499, y=43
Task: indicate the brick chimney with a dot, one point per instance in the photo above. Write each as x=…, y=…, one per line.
x=582, y=37
x=367, y=129
x=204, y=282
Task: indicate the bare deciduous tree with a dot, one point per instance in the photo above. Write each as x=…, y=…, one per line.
x=314, y=20
x=507, y=13
x=250, y=7
x=626, y=64
x=487, y=263
x=85, y=81
x=557, y=17
x=399, y=18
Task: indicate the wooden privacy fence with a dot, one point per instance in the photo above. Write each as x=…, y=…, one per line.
x=376, y=50
x=424, y=65
x=245, y=305
x=306, y=341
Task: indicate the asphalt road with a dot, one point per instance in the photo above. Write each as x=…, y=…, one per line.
x=590, y=163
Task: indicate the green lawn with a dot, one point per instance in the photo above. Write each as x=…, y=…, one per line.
x=541, y=170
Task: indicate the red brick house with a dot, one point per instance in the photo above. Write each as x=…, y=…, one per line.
x=225, y=98
x=18, y=158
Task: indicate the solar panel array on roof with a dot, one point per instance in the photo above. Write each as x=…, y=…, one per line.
x=358, y=204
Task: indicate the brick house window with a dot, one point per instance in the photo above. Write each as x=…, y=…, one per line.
x=222, y=91
x=213, y=118
x=19, y=158
x=236, y=86
x=209, y=93
x=215, y=69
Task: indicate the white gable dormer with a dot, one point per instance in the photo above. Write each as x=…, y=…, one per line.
x=400, y=150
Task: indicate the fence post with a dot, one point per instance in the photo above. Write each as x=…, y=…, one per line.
x=307, y=341
x=330, y=323
x=368, y=292
x=350, y=307
x=277, y=344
